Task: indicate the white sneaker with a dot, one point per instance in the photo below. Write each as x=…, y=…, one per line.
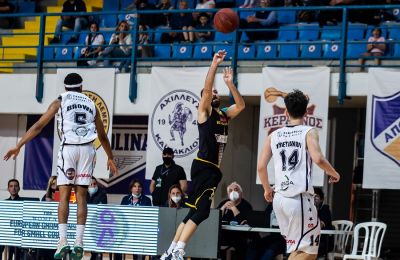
x=178, y=254
x=77, y=251
x=165, y=256
x=62, y=249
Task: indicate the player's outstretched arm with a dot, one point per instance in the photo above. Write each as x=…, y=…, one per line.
x=106, y=144
x=239, y=105
x=318, y=158
x=206, y=98
x=35, y=129
x=265, y=157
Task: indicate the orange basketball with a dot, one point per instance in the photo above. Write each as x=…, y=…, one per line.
x=226, y=20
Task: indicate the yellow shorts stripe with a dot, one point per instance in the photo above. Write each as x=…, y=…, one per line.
x=199, y=197
x=202, y=160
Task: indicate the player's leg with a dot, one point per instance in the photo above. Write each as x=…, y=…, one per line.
x=300, y=255
x=81, y=193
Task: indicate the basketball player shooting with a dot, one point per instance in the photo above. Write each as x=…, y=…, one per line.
x=79, y=124
x=293, y=148
x=205, y=172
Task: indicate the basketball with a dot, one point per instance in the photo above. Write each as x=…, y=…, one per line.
x=226, y=20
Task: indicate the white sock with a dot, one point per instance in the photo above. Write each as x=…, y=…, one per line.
x=180, y=245
x=62, y=230
x=80, y=229
x=171, y=247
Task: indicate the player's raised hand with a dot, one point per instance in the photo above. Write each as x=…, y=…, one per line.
x=112, y=167
x=335, y=178
x=228, y=75
x=268, y=194
x=12, y=152
x=219, y=57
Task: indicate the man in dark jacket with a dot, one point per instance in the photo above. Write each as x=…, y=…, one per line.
x=77, y=23
x=166, y=175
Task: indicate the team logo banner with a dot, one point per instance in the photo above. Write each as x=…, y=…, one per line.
x=314, y=82
x=382, y=139
x=98, y=85
x=173, y=118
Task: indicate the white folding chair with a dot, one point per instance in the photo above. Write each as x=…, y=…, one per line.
x=340, y=243
x=371, y=242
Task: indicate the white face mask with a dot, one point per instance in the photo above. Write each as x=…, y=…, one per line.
x=92, y=190
x=136, y=196
x=234, y=196
x=176, y=199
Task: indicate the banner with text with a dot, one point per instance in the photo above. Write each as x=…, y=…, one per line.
x=382, y=130
x=173, y=118
x=98, y=84
x=314, y=82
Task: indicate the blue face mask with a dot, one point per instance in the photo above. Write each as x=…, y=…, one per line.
x=93, y=190
x=136, y=196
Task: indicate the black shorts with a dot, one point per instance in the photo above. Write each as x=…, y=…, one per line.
x=205, y=178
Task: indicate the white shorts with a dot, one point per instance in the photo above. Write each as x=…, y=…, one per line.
x=298, y=221
x=76, y=164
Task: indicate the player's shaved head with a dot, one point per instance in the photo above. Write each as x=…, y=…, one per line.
x=296, y=104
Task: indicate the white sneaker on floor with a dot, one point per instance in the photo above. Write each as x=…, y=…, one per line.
x=178, y=254
x=62, y=249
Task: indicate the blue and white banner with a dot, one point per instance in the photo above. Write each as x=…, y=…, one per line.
x=173, y=119
x=98, y=84
x=314, y=82
x=382, y=131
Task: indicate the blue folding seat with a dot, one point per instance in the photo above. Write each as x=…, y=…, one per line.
x=287, y=33
x=48, y=53
x=226, y=47
x=289, y=51
x=158, y=33
x=182, y=51
x=286, y=17
x=78, y=51
x=202, y=52
x=108, y=20
x=246, y=52
x=331, y=33
x=224, y=37
x=266, y=51
x=331, y=50
x=162, y=51
x=356, y=31
x=244, y=37
x=124, y=4
x=63, y=53
x=394, y=32
x=107, y=36
x=110, y=5
x=396, y=50
x=26, y=7
x=308, y=32
x=311, y=50
x=354, y=50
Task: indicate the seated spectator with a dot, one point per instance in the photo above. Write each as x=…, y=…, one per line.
x=120, y=47
x=376, y=47
x=77, y=23
x=182, y=21
x=93, y=45
x=326, y=242
x=261, y=20
x=176, y=198
x=136, y=198
x=51, y=189
x=204, y=4
x=270, y=245
x=97, y=195
x=147, y=19
x=235, y=211
x=203, y=36
x=143, y=49
x=164, y=18
x=6, y=8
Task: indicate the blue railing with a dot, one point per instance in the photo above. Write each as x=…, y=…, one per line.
x=291, y=47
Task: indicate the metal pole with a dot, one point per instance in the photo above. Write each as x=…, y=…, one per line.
x=343, y=44
x=133, y=80
x=39, y=59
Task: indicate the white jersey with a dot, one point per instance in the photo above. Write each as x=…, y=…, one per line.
x=292, y=162
x=76, y=118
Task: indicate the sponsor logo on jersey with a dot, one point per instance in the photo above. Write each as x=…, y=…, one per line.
x=103, y=112
x=285, y=184
x=174, y=118
x=70, y=173
x=385, y=126
x=279, y=119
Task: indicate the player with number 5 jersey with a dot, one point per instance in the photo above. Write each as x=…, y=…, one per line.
x=79, y=124
x=293, y=148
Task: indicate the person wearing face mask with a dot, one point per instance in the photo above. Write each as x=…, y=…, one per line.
x=166, y=175
x=176, y=197
x=235, y=211
x=96, y=195
x=135, y=196
x=324, y=214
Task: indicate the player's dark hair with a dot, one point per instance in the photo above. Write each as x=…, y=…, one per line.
x=319, y=192
x=296, y=103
